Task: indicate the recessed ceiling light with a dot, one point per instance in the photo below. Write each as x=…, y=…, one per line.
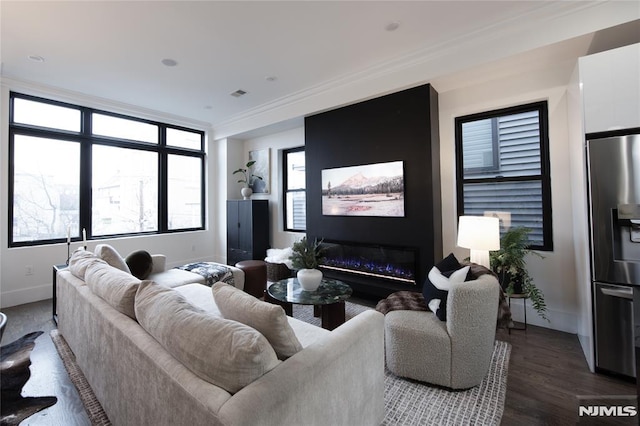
x=392, y=26
x=169, y=62
x=271, y=78
x=36, y=58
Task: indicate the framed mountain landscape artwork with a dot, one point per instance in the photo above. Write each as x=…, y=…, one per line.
x=367, y=190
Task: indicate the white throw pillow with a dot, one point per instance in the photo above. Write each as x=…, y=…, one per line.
x=267, y=318
x=443, y=283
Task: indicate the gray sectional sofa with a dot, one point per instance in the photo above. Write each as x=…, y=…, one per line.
x=154, y=355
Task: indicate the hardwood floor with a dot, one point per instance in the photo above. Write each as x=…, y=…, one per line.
x=547, y=372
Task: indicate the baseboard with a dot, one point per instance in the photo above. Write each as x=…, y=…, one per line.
x=587, y=349
x=558, y=320
x=26, y=295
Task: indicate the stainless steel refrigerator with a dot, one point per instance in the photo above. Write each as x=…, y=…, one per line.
x=614, y=188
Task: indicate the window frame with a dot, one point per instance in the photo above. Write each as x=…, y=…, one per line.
x=87, y=140
x=544, y=177
x=285, y=187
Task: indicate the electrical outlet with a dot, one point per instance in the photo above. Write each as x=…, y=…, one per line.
x=28, y=270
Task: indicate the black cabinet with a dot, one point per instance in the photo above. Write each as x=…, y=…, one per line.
x=247, y=230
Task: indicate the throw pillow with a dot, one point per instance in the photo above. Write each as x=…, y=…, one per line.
x=80, y=260
x=140, y=264
x=448, y=265
x=267, y=318
x=223, y=352
x=116, y=287
x=112, y=257
x=436, y=287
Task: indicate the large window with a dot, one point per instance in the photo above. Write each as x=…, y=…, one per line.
x=73, y=168
x=503, y=169
x=295, y=210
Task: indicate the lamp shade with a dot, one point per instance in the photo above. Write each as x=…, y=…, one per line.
x=479, y=232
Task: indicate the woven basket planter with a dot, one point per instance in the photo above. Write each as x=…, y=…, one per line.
x=277, y=271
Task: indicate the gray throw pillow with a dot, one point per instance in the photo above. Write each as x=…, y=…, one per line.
x=267, y=318
x=112, y=257
x=223, y=352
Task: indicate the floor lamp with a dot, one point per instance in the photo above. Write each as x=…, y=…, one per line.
x=479, y=234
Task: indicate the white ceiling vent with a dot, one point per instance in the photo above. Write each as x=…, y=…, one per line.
x=238, y=93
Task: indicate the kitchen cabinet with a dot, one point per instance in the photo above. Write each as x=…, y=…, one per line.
x=610, y=83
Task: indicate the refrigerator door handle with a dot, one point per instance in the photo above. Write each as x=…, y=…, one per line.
x=625, y=294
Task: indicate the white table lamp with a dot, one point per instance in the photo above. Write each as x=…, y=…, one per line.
x=480, y=234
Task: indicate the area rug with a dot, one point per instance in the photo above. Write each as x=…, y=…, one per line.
x=94, y=410
x=15, y=359
x=408, y=402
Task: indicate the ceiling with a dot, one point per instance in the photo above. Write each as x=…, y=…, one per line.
x=277, y=52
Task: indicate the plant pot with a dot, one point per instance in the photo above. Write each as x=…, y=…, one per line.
x=309, y=279
x=516, y=282
x=246, y=193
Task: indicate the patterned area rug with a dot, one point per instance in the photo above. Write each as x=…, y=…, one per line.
x=408, y=402
x=94, y=410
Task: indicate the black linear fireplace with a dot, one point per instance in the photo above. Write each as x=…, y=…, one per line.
x=370, y=264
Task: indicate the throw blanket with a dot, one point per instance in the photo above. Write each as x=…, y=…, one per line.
x=212, y=272
x=414, y=301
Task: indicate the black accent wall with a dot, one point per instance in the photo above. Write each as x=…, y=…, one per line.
x=400, y=126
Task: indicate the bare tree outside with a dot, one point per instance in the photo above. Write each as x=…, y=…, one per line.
x=46, y=178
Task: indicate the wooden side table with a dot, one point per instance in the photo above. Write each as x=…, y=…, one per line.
x=56, y=268
x=524, y=298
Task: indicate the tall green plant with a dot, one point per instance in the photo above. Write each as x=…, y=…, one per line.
x=510, y=265
x=248, y=176
x=307, y=255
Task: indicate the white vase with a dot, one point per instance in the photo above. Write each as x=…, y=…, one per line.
x=246, y=192
x=309, y=279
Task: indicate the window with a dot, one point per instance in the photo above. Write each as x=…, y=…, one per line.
x=75, y=168
x=125, y=191
x=503, y=169
x=295, y=210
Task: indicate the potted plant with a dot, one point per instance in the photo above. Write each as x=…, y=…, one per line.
x=247, y=179
x=509, y=263
x=306, y=257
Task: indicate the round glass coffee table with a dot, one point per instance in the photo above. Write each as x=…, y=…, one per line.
x=328, y=299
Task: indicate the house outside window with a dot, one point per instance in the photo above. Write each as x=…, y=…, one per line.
x=503, y=169
x=294, y=178
x=74, y=168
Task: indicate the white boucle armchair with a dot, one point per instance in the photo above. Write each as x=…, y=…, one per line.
x=456, y=353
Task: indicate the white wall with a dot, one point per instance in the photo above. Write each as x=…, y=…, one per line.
x=276, y=142
x=17, y=288
x=555, y=274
